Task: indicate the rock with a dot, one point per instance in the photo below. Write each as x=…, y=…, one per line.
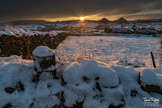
x=84, y=78
x=43, y=58
x=44, y=61
x=7, y=106
x=97, y=78
x=10, y=89
x=98, y=87
x=71, y=74
x=133, y=92
x=77, y=105
x=31, y=105
x=151, y=80
x=19, y=87
x=152, y=88
x=119, y=106
x=27, y=44
x=57, y=106
x=105, y=76
x=59, y=95
x=122, y=102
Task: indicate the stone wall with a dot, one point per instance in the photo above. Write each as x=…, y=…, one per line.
x=24, y=45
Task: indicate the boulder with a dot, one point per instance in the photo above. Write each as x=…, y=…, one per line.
x=19, y=87
x=151, y=80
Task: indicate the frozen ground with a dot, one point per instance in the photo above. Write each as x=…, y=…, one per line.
x=105, y=48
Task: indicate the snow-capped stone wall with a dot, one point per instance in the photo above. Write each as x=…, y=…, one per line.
x=151, y=80
x=89, y=84
x=44, y=61
x=24, y=45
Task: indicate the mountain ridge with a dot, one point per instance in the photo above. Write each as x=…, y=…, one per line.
x=103, y=20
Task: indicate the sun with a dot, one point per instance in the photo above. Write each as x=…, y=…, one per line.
x=82, y=18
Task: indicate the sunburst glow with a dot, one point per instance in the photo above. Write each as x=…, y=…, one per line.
x=82, y=18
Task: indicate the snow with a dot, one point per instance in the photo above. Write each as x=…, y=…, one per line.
x=13, y=70
x=107, y=48
x=39, y=53
x=71, y=74
x=107, y=83
x=119, y=26
x=92, y=69
x=2, y=32
x=160, y=40
x=43, y=51
x=133, y=62
x=129, y=81
x=151, y=77
x=20, y=30
x=43, y=94
x=130, y=28
x=113, y=96
x=127, y=76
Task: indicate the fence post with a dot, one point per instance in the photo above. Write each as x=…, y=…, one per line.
x=161, y=54
x=153, y=61
x=125, y=60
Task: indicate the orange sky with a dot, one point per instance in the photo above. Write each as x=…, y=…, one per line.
x=53, y=10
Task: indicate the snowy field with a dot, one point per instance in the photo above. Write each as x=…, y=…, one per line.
x=107, y=48
x=89, y=83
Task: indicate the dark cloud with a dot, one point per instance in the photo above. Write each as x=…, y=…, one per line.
x=37, y=9
x=144, y=16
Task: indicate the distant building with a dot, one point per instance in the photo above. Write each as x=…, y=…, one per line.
x=160, y=30
x=149, y=31
x=119, y=26
x=122, y=29
x=119, y=29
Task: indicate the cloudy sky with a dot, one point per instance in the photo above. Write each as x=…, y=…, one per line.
x=53, y=10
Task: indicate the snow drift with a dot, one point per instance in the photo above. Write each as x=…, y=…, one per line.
x=87, y=84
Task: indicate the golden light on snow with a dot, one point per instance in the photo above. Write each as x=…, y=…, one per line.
x=82, y=18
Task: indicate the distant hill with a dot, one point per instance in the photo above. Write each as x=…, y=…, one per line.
x=26, y=22
x=73, y=21
x=120, y=20
x=148, y=20
x=104, y=21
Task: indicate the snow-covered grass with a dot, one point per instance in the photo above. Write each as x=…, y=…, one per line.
x=107, y=48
